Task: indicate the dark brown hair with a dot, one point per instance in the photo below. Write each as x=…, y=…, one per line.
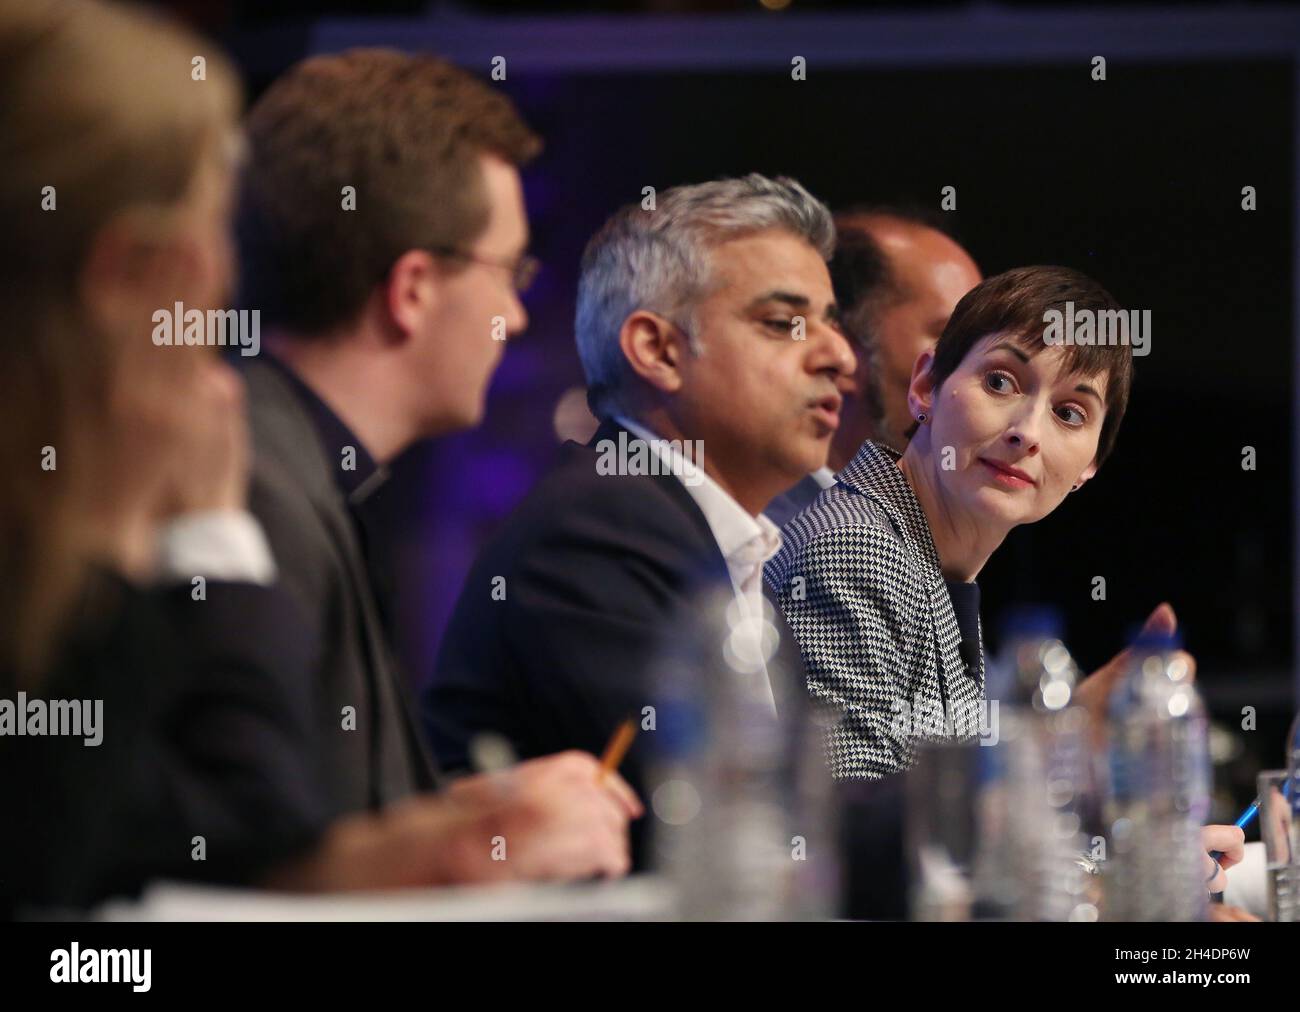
x=406, y=132
x=1014, y=304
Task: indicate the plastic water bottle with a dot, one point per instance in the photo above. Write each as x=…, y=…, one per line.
x=1159, y=789
x=1280, y=829
x=941, y=832
x=741, y=798
x=1035, y=779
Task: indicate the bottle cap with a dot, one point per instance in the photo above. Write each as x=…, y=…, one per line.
x=1023, y=621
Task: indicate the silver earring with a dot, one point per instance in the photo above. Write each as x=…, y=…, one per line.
x=921, y=417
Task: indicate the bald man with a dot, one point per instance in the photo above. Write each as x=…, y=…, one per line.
x=895, y=312
x=897, y=277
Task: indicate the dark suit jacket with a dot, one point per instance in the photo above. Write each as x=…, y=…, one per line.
x=317, y=550
x=793, y=501
x=596, y=569
x=206, y=732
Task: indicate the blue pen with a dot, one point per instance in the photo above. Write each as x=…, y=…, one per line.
x=1248, y=816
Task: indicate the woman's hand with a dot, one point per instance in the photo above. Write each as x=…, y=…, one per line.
x=1223, y=912
x=173, y=440
x=210, y=471
x=1093, y=693
x=1230, y=842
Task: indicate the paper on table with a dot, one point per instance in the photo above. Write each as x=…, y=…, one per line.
x=1247, y=884
x=641, y=897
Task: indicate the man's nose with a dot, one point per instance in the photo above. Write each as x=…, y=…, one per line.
x=834, y=353
x=517, y=321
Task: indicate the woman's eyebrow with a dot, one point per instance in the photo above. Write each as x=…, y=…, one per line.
x=1084, y=388
x=1004, y=346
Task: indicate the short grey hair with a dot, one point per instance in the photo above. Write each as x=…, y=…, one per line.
x=659, y=260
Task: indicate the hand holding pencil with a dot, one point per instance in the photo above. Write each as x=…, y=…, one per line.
x=560, y=817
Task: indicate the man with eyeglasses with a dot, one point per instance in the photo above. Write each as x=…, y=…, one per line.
x=382, y=235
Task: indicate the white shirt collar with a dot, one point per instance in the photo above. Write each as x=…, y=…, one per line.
x=744, y=540
x=824, y=477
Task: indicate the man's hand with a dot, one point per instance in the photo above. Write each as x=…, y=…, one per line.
x=559, y=817
x=556, y=818
x=1093, y=693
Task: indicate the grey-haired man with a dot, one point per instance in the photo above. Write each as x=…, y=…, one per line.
x=709, y=322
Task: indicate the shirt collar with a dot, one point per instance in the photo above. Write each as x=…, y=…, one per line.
x=824, y=477
x=743, y=539
x=358, y=483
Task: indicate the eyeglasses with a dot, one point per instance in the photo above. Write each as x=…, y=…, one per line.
x=523, y=272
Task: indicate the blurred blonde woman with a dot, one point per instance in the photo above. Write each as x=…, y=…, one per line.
x=184, y=749
x=125, y=468
x=115, y=190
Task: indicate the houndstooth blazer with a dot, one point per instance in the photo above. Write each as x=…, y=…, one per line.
x=859, y=582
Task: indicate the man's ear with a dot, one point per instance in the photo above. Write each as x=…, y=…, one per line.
x=411, y=293
x=654, y=347
x=920, y=391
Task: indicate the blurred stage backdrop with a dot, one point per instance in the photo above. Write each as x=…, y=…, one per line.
x=1136, y=180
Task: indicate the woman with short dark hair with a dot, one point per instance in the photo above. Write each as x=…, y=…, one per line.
x=876, y=577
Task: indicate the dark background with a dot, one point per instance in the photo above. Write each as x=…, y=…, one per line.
x=1136, y=180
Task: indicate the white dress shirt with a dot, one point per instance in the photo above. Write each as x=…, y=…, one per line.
x=745, y=541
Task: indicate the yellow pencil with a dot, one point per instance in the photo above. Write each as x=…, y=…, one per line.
x=617, y=747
